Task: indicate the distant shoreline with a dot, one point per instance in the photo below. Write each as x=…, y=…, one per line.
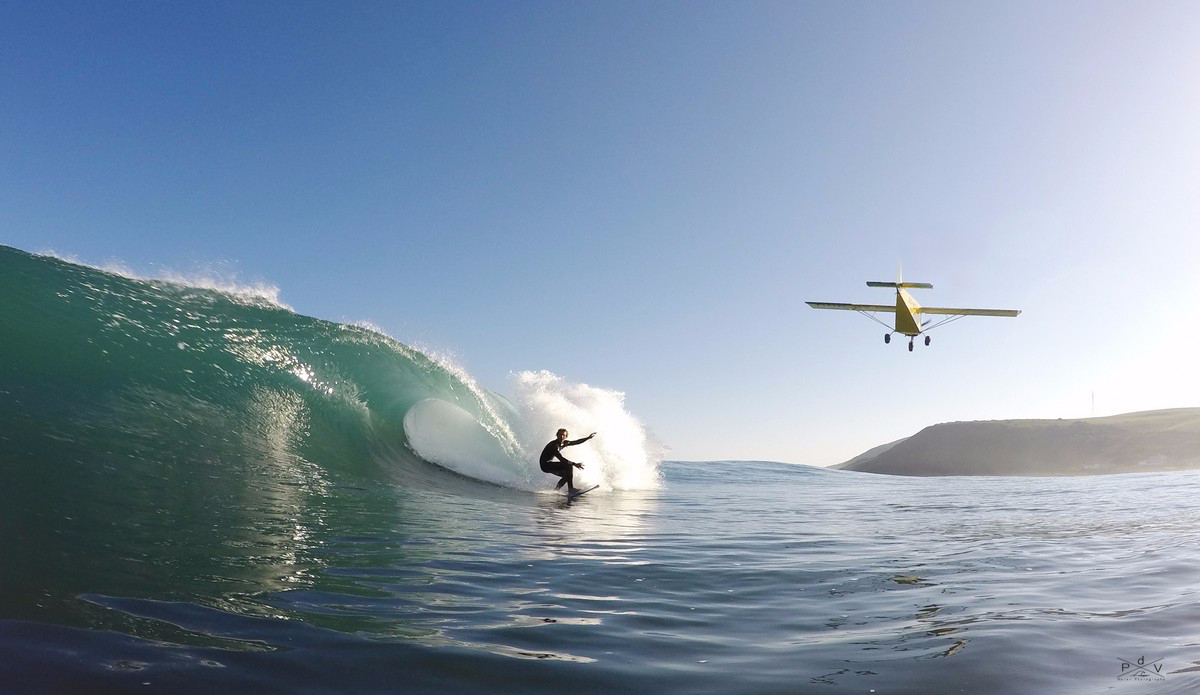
x=1155, y=440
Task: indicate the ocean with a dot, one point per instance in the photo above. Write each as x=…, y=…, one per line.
x=204, y=491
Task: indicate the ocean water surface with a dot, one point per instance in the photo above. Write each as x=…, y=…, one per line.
x=204, y=491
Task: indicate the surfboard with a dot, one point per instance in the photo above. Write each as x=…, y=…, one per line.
x=577, y=493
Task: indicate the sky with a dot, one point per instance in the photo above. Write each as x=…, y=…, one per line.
x=641, y=196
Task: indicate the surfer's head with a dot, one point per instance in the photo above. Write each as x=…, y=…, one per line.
x=562, y=433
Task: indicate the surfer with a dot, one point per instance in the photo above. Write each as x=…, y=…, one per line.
x=562, y=467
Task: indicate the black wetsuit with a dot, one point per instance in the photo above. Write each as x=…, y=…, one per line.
x=562, y=467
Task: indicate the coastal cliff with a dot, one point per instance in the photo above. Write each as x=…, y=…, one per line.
x=1156, y=440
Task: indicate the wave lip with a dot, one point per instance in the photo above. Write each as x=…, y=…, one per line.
x=443, y=433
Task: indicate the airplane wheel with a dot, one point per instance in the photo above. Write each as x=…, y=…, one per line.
x=926, y=340
x=910, y=346
x=887, y=338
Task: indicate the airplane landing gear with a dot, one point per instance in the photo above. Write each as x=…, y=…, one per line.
x=887, y=338
x=910, y=344
x=926, y=341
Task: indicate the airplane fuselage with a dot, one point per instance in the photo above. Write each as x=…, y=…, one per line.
x=906, y=313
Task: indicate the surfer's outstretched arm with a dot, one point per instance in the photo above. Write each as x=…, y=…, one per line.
x=579, y=441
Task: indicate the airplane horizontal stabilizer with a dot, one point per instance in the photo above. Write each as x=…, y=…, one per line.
x=895, y=285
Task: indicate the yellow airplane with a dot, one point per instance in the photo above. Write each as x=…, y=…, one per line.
x=907, y=311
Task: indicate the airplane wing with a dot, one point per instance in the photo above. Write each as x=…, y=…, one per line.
x=853, y=307
x=967, y=312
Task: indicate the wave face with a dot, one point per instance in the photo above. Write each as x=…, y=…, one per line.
x=151, y=374
x=215, y=427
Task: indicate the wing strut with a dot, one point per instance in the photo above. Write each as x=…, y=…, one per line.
x=943, y=322
x=871, y=315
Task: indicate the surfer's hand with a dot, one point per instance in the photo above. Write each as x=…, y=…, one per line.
x=593, y=434
x=577, y=465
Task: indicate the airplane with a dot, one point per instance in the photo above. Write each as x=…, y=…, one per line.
x=907, y=311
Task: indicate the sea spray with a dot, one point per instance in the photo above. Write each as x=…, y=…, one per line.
x=214, y=277
x=501, y=444
x=621, y=457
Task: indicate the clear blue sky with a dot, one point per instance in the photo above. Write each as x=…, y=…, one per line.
x=642, y=195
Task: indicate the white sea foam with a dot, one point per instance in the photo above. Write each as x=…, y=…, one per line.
x=622, y=456
x=502, y=446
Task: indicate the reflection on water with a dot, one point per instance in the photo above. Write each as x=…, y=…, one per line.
x=443, y=569
x=214, y=509
x=603, y=526
x=715, y=584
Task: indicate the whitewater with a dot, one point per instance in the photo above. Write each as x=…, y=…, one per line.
x=204, y=490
